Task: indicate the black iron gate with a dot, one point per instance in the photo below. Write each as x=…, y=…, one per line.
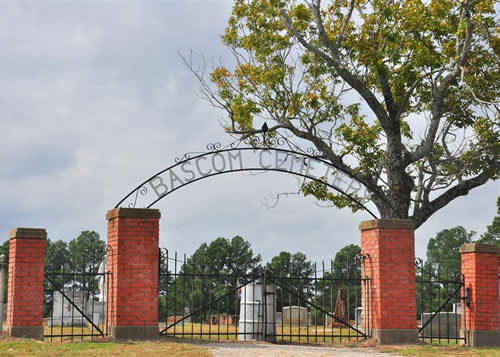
x=440, y=299
x=208, y=300
x=74, y=300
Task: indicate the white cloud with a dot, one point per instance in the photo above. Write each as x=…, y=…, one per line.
x=94, y=99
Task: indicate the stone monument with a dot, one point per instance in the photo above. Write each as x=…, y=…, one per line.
x=64, y=313
x=295, y=315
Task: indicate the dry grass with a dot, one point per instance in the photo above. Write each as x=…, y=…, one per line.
x=427, y=350
x=311, y=334
x=78, y=333
x=25, y=347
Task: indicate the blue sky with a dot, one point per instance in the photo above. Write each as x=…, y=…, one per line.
x=95, y=98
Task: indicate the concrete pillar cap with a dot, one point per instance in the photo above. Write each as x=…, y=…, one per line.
x=479, y=248
x=28, y=233
x=139, y=213
x=387, y=224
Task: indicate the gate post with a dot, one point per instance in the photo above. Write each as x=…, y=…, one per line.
x=480, y=270
x=133, y=235
x=26, y=280
x=389, y=297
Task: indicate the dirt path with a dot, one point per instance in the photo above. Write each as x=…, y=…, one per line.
x=270, y=350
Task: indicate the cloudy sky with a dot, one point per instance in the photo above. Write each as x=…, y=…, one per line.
x=94, y=98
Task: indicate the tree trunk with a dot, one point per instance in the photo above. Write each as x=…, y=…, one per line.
x=400, y=184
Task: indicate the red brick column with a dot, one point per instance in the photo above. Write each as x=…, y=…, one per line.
x=25, y=291
x=389, y=300
x=480, y=270
x=132, y=260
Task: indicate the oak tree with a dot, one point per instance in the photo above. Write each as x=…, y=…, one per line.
x=402, y=96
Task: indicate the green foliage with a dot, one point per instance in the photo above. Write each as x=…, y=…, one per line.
x=492, y=234
x=87, y=252
x=344, y=273
x=345, y=263
x=443, y=256
x=293, y=271
x=210, y=273
x=293, y=265
x=57, y=256
x=83, y=254
x=321, y=192
x=438, y=279
x=409, y=63
x=4, y=249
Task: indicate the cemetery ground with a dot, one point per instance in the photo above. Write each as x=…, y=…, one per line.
x=176, y=347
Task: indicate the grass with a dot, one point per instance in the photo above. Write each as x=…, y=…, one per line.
x=25, y=347
x=311, y=334
x=191, y=331
x=176, y=348
x=440, y=350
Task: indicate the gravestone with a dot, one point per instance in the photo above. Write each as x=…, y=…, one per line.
x=295, y=315
x=64, y=313
x=101, y=280
x=97, y=310
x=186, y=319
x=444, y=324
x=279, y=320
x=358, y=315
x=340, y=311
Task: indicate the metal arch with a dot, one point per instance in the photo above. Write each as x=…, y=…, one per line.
x=187, y=159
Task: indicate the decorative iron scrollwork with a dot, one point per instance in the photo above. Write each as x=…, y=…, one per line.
x=360, y=258
x=229, y=158
x=186, y=156
x=214, y=146
x=266, y=142
x=143, y=191
x=313, y=152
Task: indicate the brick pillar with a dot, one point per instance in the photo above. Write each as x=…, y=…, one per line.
x=25, y=291
x=480, y=270
x=133, y=235
x=389, y=300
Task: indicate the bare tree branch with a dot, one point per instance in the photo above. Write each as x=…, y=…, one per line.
x=461, y=189
x=440, y=92
x=342, y=71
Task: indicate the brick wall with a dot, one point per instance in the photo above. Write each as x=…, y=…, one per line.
x=480, y=270
x=390, y=265
x=26, y=277
x=133, y=236
x=391, y=268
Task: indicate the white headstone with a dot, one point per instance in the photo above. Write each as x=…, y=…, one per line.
x=101, y=280
x=357, y=315
x=64, y=313
x=444, y=324
x=186, y=313
x=295, y=315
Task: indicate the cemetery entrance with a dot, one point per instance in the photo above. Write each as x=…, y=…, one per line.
x=74, y=300
x=440, y=298
x=200, y=300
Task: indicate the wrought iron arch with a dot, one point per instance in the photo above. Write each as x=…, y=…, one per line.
x=214, y=150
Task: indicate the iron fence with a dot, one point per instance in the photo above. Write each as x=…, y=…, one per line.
x=440, y=297
x=202, y=300
x=74, y=301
